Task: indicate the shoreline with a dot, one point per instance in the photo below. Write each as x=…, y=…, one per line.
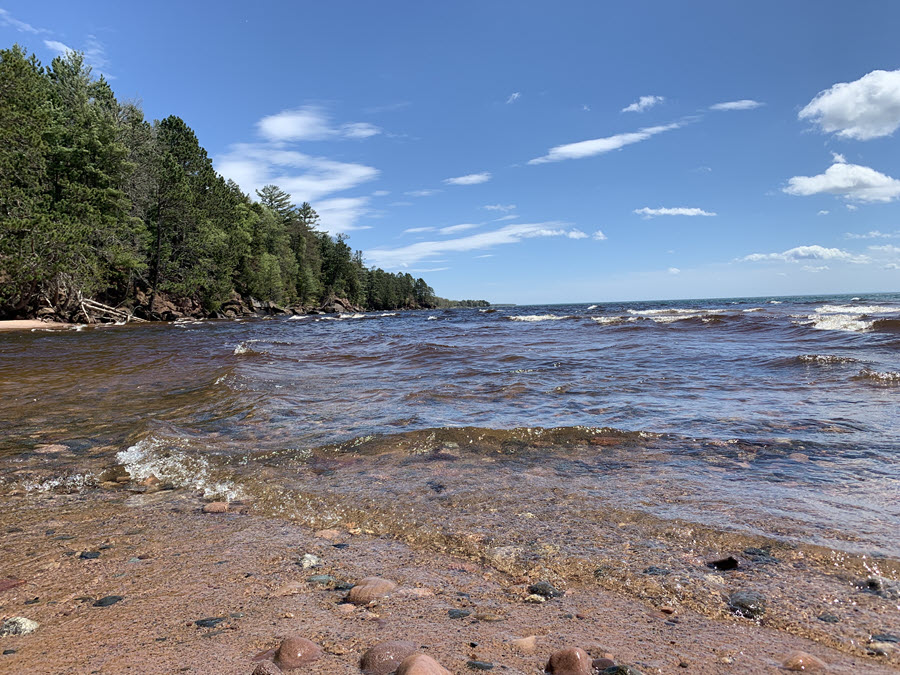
x=9, y=325
x=173, y=565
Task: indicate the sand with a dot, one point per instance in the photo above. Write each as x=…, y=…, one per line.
x=29, y=324
x=173, y=565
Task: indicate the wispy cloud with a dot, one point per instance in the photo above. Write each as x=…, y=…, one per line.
x=310, y=123
x=421, y=193
x=644, y=103
x=513, y=97
x=599, y=236
x=647, y=212
x=850, y=181
x=823, y=212
x=94, y=54
x=674, y=271
x=390, y=107
x=806, y=253
x=743, y=104
x=381, y=193
x=342, y=213
x=509, y=216
x=504, y=208
x=873, y=234
x=393, y=258
x=863, y=109
x=7, y=19
x=469, y=179
x=452, y=229
x=416, y=230
x=599, y=146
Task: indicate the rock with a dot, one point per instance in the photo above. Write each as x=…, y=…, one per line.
x=655, y=571
x=385, y=657
x=215, y=507
x=803, y=661
x=881, y=648
x=479, y=665
x=569, y=661
x=884, y=637
x=209, y=622
x=829, y=618
x=108, y=600
x=10, y=582
x=330, y=535
x=310, y=561
x=266, y=668
x=489, y=617
x=295, y=652
x=89, y=555
x=724, y=564
x=536, y=599
x=881, y=586
x=290, y=588
x=421, y=664
x=545, y=589
x=748, y=604
x=18, y=625
x=621, y=670
x=458, y=613
x=370, y=589
x=602, y=664
x=526, y=645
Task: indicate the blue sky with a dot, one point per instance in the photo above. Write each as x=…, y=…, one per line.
x=540, y=152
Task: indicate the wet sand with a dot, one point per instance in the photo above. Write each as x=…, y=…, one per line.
x=173, y=565
x=29, y=324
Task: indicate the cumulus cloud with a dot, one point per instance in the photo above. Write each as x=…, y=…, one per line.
x=807, y=253
x=676, y=211
x=504, y=208
x=404, y=256
x=513, y=97
x=644, y=103
x=469, y=179
x=310, y=123
x=851, y=181
x=598, y=146
x=863, y=109
x=599, y=236
x=743, y=104
x=575, y=233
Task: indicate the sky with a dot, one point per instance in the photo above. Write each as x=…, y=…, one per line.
x=533, y=152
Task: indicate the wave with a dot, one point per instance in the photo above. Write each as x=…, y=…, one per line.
x=825, y=359
x=431, y=318
x=611, y=320
x=591, y=307
x=888, y=377
x=244, y=348
x=540, y=317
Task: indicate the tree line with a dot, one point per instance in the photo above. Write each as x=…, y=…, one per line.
x=98, y=202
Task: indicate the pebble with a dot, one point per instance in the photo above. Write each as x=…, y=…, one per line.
x=458, y=613
x=385, y=657
x=881, y=648
x=526, y=645
x=882, y=586
x=290, y=588
x=480, y=665
x=295, y=652
x=266, y=668
x=803, y=661
x=215, y=507
x=535, y=599
x=18, y=625
x=602, y=664
x=724, y=564
x=569, y=661
x=489, y=617
x=621, y=670
x=655, y=571
x=370, y=589
x=309, y=561
x=89, y=555
x=884, y=637
x=108, y=600
x=209, y=622
x=829, y=618
x=421, y=664
x=545, y=589
x=329, y=534
x=321, y=579
x=748, y=604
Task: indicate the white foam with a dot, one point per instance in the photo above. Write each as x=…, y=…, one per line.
x=591, y=307
x=856, y=309
x=432, y=318
x=388, y=314
x=539, y=317
x=752, y=309
x=609, y=320
x=72, y=483
x=884, y=377
x=297, y=317
x=845, y=322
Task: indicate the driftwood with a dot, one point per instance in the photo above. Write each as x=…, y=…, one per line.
x=90, y=308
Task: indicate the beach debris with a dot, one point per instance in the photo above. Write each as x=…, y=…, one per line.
x=748, y=604
x=295, y=652
x=546, y=589
x=569, y=661
x=421, y=664
x=108, y=600
x=215, y=507
x=18, y=625
x=724, y=564
x=803, y=661
x=310, y=561
x=385, y=657
x=370, y=589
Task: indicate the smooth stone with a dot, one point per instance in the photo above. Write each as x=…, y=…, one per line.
x=89, y=555
x=536, y=599
x=266, y=668
x=329, y=534
x=803, y=661
x=489, y=617
x=829, y=618
x=526, y=645
x=748, y=604
x=370, y=589
x=108, y=600
x=882, y=586
x=321, y=580
x=215, y=507
x=884, y=637
x=545, y=589
x=7, y=652
x=458, y=613
x=621, y=670
x=295, y=652
x=385, y=657
x=421, y=664
x=480, y=665
x=209, y=622
x=18, y=625
x=569, y=661
x=603, y=664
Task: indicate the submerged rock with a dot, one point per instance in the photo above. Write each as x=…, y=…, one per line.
x=18, y=625
x=385, y=657
x=369, y=589
x=748, y=604
x=295, y=652
x=570, y=661
x=421, y=664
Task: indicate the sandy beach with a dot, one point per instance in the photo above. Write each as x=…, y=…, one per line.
x=29, y=324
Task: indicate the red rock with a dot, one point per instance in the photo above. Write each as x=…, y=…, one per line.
x=369, y=589
x=385, y=657
x=569, y=661
x=803, y=661
x=6, y=584
x=266, y=668
x=421, y=664
x=215, y=507
x=295, y=652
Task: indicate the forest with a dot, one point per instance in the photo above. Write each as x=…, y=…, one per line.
x=99, y=204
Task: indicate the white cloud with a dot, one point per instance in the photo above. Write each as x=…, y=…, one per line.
x=891, y=266
x=805, y=253
x=458, y=228
x=94, y=54
x=381, y=193
x=421, y=193
x=469, y=179
x=863, y=109
x=850, y=181
x=59, y=47
x=400, y=204
x=427, y=270
x=575, y=233
x=341, y=213
x=513, y=97
x=874, y=234
x=511, y=234
x=511, y=216
x=674, y=270
x=486, y=255
x=743, y=104
x=677, y=211
x=598, y=146
x=823, y=212
x=7, y=19
x=815, y=268
x=414, y=230
x=310, y=124
x=851, y=207
x=599, y=236
x=886, y=248
x=504, y=208
x=644, y=103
